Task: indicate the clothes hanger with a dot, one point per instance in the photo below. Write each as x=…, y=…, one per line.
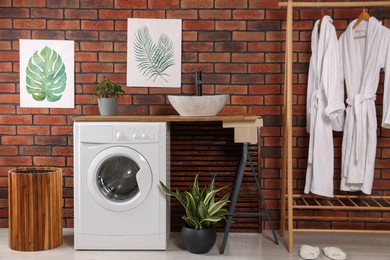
x=322, y=16
x=363, y=16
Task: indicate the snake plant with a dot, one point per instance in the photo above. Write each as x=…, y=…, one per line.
x=202, y=209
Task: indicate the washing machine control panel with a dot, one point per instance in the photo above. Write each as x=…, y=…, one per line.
x=135, y=134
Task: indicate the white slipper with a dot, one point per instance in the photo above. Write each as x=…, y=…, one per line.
x=334, y=253
x=309, y=252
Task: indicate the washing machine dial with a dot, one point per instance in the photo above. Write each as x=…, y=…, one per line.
x=120, y=136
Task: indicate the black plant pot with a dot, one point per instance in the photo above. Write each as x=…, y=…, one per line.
x=198, y=241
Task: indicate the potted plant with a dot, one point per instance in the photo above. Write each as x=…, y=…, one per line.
x=107, y=93
x=202, y=211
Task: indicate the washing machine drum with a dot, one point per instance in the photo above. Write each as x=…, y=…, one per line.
x=116, y=178
x=119, y=178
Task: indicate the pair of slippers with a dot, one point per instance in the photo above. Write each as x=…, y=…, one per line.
x=311, y=252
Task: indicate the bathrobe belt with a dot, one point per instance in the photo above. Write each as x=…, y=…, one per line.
x=318, y=95
x=356, y=105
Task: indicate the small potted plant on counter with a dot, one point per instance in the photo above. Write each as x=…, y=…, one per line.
x=107, y=93
x=202, y=212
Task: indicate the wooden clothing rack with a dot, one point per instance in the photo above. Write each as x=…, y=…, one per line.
x=311, y=202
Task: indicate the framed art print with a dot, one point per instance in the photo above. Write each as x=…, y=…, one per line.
x=47, y=73
x=154, y=52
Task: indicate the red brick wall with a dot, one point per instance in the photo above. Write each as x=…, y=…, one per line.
x=238, y=44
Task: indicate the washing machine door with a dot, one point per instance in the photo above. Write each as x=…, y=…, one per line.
x=119, y=178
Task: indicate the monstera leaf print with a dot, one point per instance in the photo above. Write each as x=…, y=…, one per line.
x=153, y=59
x=46, y=77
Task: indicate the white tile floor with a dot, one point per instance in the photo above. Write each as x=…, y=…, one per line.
x=240, y=246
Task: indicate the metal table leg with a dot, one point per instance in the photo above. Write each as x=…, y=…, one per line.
x=236, y=190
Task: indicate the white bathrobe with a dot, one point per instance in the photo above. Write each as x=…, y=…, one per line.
x=362, y=59
x=324, y=105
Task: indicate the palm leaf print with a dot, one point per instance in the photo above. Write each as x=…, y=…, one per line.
x=46, y=76
x=153, y=59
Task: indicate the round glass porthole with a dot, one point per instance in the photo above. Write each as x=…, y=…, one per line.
x=116, y=178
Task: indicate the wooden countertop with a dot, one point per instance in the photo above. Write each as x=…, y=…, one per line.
x=166, y=118
x=245, y=126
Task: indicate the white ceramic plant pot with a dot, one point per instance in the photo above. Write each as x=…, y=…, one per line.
x=107, y=106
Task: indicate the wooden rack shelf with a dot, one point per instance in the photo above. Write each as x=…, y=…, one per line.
x=313, y=205
x=342, y=202
x=306, y=204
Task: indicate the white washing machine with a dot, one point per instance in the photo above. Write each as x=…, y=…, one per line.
x=118, y=204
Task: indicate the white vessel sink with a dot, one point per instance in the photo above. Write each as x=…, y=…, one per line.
x=198, y=105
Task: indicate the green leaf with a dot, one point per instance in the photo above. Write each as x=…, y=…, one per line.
x=209, y=222
x=153, y=59
x=195, y=190
x=190, y=199
x=192, y=222
x=177, y=195
x=214, y=208
x=181, y=198
x=202, y=210
x=211, y=195
x=166, y=190
x=212, y=183
x=195, y=186
x=212, y=219
x=222, y=213
x=45, y=75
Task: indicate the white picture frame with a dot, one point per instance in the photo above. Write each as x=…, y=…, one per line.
x=46, y=73
x=154, y=52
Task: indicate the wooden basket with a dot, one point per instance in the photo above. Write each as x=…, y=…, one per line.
x=35, y=208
